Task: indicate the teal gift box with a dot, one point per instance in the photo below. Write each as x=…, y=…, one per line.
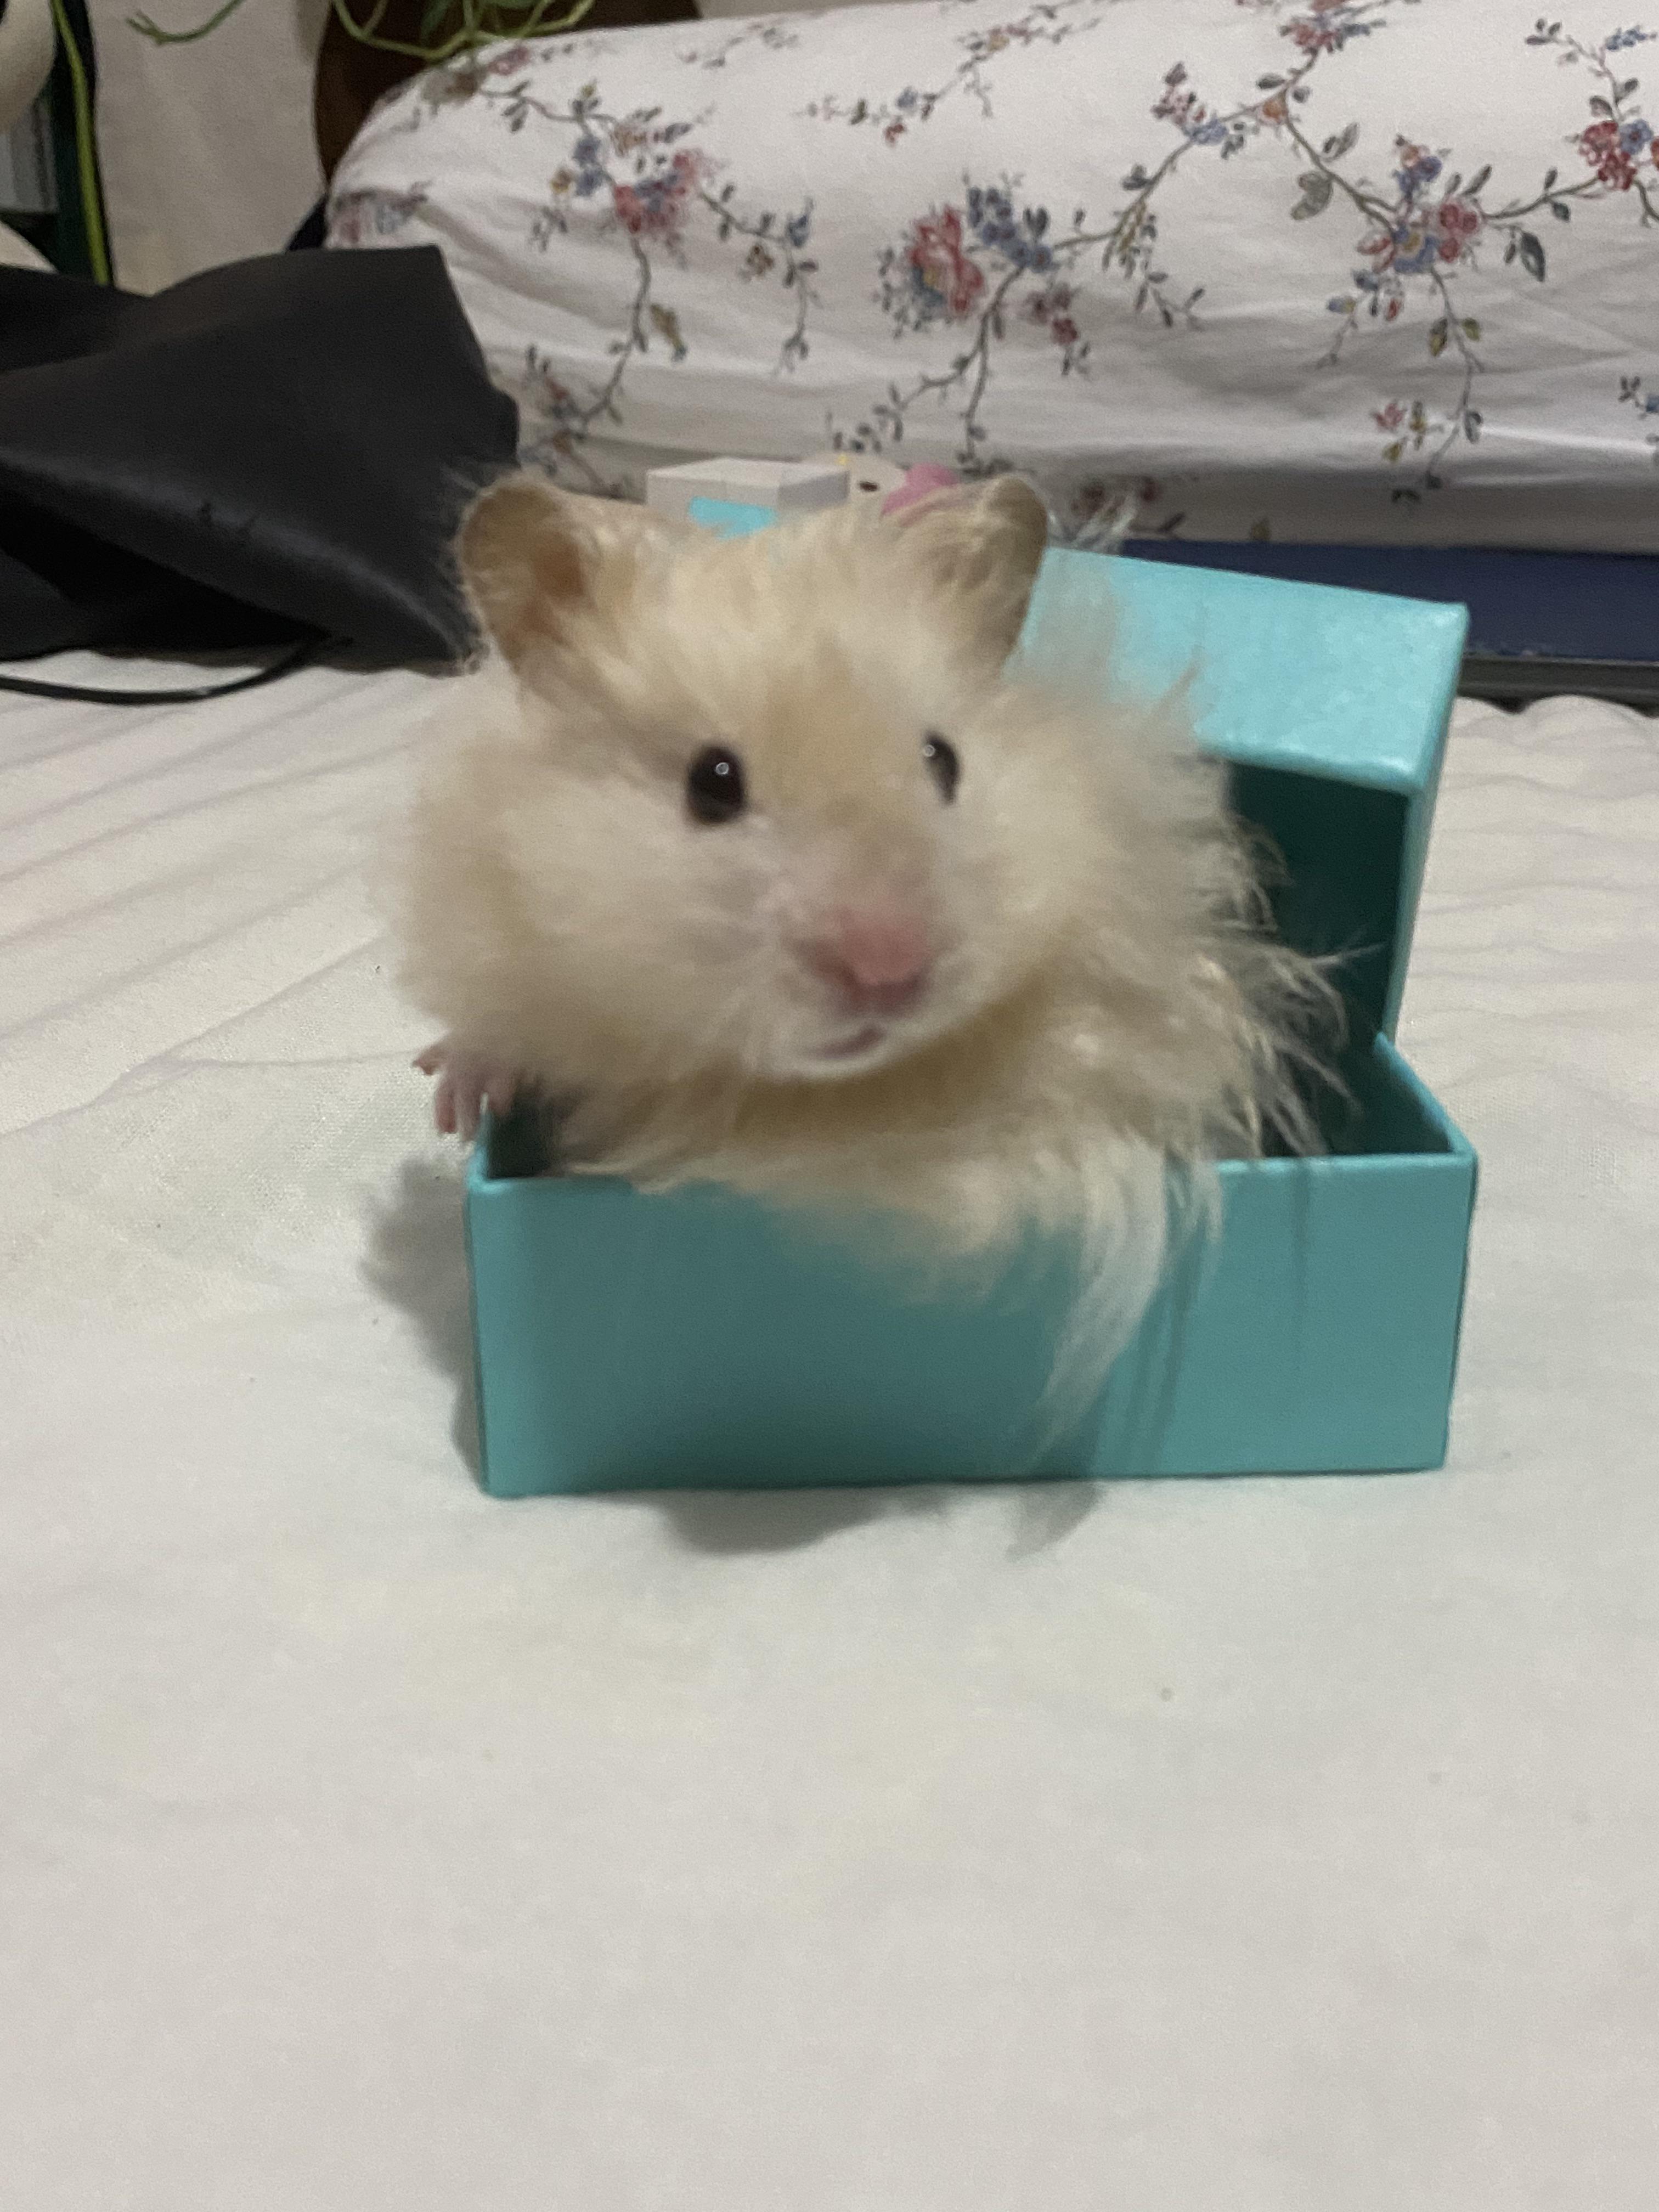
x=698, y=1339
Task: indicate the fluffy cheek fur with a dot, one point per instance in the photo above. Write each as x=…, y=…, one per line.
x=1029, y=833
x=597, y=864
x=530, y=898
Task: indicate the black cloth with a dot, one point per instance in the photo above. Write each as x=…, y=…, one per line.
x=277, y=449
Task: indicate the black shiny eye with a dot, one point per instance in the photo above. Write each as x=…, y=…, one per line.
x=940, y=756
x=713, y=786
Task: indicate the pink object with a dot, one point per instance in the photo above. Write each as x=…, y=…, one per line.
x=877, y=958
x=921, y=482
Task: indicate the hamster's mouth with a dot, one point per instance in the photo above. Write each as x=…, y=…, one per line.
x=851, y=1054
x=856, y=1046
x=856, y=1052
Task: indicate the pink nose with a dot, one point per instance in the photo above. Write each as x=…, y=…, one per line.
x=878, y=959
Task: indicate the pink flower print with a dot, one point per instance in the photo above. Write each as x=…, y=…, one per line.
x=1457, y=224
x=943, y=277
x=1312, y=36
x=1051, y=310
x=1612, y=150
x=1327, y=27
x=654, y=206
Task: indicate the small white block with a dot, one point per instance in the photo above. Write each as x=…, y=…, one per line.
x=791, y=487
x=868, y=475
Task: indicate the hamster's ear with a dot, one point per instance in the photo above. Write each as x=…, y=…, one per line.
x=527, y=563
x=983, y=548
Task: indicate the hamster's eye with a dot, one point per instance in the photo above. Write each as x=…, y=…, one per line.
x=713, y=786
x=940, y=756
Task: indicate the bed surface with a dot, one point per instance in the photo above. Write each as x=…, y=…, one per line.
x=1251, y=1846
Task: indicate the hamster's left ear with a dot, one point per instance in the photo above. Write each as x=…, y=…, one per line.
x=983, y=546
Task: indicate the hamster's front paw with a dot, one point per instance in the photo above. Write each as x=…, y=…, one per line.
x=466, y=1085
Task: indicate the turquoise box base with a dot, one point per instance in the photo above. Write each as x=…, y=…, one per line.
x=699, y=1339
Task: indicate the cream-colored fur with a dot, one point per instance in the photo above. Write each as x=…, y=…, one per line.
x=1105, y=1006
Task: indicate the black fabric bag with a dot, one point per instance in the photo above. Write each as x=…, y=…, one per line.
x=274, y=452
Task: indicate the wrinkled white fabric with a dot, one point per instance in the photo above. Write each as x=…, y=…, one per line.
x=1251, y=1846
x=1324, y=270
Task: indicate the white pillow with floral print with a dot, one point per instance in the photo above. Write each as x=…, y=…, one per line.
x=1356, y=270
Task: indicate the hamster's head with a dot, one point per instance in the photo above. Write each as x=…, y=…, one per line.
x=773, y=808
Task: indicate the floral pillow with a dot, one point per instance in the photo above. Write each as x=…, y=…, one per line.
x=1373, y=270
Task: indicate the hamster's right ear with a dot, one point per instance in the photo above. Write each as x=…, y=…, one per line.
x=527, y=563
x=982, y=547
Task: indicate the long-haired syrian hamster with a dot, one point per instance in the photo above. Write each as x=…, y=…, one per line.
x=754, y=857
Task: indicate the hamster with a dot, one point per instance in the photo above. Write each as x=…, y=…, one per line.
x=757, y=858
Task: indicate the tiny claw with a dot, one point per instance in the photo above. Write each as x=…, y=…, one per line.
x=465, y=1086
x=501, y=1090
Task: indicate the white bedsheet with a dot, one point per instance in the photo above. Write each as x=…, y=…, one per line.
x=1260, y=1846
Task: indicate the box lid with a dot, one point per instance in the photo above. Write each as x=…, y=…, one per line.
x=1332, y=706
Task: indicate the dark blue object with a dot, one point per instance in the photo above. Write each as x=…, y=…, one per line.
x=1539, y=623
